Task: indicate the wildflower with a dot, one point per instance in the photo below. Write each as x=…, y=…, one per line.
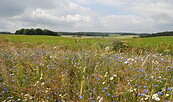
x=106, y=74
x=62, y=100
x=80, y=97
x=157, y=99
x=159, y=93
x=145, y=86
x=136, y=84
x=105, y=88
x=112, y=96
x=9, y=97
x=156, y=85
x=117, y=84
x=146, y=98
x=103, y=83
x=114, y=75
x=108, y=94
x=167, y=95
x=169, y=89
x=142, y=70
x=130, y=90
x=42, y=83
x=101, y=99
x=140, y=94
x=154, y=96
x=146, y=91
x=112, y=78
x=5, y=88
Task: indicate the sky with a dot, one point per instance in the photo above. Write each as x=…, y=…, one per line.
x=139, y=16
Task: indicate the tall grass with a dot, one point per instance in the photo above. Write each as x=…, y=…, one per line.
x=84, y=71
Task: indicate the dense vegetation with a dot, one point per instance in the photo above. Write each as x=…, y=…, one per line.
x=58, y=69
x=85, y=33
x=49, y=32
x=5, y=32
x=168, y=33
x=36, y=32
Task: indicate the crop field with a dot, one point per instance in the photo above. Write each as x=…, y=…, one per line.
x=61, y=69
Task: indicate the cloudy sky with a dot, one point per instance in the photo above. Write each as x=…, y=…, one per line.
x=87, y=15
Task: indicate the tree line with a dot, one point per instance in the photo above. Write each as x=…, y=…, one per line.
x=168, y=33
x=37, y=31
x=5, y=32
x=85, y=33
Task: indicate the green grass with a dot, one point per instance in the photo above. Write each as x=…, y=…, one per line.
x=59, y=69
x=52, y=40
x=150, y=41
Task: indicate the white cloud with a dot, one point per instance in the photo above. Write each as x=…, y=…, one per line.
x=123, y=23
x=80, y=15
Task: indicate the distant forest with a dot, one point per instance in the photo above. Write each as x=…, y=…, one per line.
x=5, y=32
x=37, y=31
x=168, y=33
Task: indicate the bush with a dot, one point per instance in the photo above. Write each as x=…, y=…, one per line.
x=119, y=45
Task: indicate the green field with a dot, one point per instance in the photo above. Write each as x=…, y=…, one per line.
x=151, y=41
x=70, y=69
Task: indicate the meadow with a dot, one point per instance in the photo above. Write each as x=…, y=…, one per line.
x=62, y=69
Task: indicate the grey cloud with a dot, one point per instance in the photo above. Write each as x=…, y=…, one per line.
x=11, y=7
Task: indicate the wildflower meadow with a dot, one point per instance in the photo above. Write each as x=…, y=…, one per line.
x=84, y=72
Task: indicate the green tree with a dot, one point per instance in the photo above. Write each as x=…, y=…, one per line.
x=39, y=31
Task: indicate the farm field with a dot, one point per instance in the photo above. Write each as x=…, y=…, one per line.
x=63, y=69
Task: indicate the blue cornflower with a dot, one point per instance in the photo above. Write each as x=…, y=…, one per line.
x=105, y=88
x=112, y=96
x=93, y=101
x=117, y=84
x=159, y=93
x=108, y=94
x=136, y=84
x=140, y=94
x=156, y=85
x=80, y=97
x=169, y=89
x=146, y=91
x=145, y=86
x=91, y=98
x=5, y=88
x=142, y=70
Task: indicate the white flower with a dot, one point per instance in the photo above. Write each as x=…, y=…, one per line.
x=42, y=83
x=112, y=78
x=106, y=74
x=154, y=96
x=114, y=75
x=157, y=99
x=107, y=48
x=101, y=99
x=167, y=95
x=146, y=98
